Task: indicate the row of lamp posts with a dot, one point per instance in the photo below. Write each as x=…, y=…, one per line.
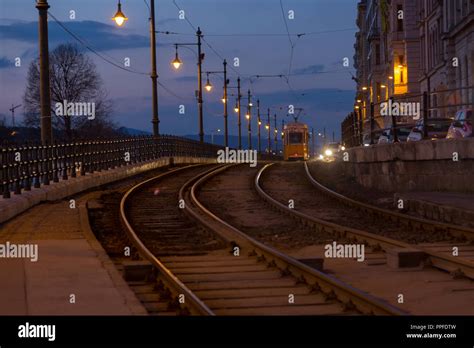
x=120, y=19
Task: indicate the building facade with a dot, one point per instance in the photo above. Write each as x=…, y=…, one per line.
x=404, y=48
x=446, y=29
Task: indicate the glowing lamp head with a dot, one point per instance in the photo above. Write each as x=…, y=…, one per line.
x=267, y=126
x=259, y=123
x=236, y=109
x=383, y=86
x=247, y=116
x=119, y=17
x=328, y=152
x=176, y=62
x=343, y=148
x=390, y=77
x=223, y=100
x=364, y=88
x=208, y=86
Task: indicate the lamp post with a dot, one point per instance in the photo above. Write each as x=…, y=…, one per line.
x=259, y=122
x=208, y=87
x=177, y=64
x=237, y=109
x=120, y=19
x=212, y=135
x=45, y=97
x=282, y=128
x=249, y=120
x=154, y=76
x=276, y=132
x=268, y=129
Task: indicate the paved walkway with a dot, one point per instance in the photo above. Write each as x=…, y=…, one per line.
x=70, y=262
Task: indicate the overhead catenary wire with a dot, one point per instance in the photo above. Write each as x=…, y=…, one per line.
x=109, y=59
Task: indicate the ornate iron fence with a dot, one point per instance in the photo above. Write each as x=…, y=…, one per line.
x=27, y=166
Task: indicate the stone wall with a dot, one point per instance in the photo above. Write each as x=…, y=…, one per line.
x=414, y=166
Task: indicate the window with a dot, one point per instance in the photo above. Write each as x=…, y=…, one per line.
x=295, y=138
x=400, y=16
x=377, y=54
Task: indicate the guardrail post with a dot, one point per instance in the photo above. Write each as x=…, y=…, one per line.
x=27, y=179
x=37, y=167
x=45, y=163
x=54, y=152
x=5, y=178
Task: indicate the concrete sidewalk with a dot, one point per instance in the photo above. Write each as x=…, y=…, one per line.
x=70, y=262
x=441, y=206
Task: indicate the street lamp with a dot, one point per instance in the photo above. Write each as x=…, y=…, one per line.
x=224, y=98
x=259, y=122
x=208, y=85
x=249, y=123
x=212, y=134
x=237, y=109
x=45, y=96
x=177, y=63
x=119, y=17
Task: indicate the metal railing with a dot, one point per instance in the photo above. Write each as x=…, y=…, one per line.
x=27, y=166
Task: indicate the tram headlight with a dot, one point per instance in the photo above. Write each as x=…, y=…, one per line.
x=328, y=152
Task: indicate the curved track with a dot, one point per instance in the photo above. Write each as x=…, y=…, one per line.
x=458, y=266
x=215, y=269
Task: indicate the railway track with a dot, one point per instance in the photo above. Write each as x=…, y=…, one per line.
x=437, y=254
x=209, y=267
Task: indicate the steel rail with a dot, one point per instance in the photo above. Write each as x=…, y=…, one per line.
x=445, y=262
x=350, y=296
x=457, y=231
x=193, y=303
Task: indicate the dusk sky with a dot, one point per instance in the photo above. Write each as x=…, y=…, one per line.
x=317, y=66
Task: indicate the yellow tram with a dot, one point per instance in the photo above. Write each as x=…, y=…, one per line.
x=295, y=140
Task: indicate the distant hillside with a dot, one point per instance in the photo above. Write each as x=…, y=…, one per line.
x=131, y=131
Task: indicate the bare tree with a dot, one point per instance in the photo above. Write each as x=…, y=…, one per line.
x=73, y=79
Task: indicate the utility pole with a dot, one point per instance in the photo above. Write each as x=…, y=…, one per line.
x=239, y=120
x=276, y=132
x=259, y=122
x=200, y=58
x=226, y=129
x=155, y=120
x=249, y=119
x=268, y=128
x=45, y=97
x=281, y=133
